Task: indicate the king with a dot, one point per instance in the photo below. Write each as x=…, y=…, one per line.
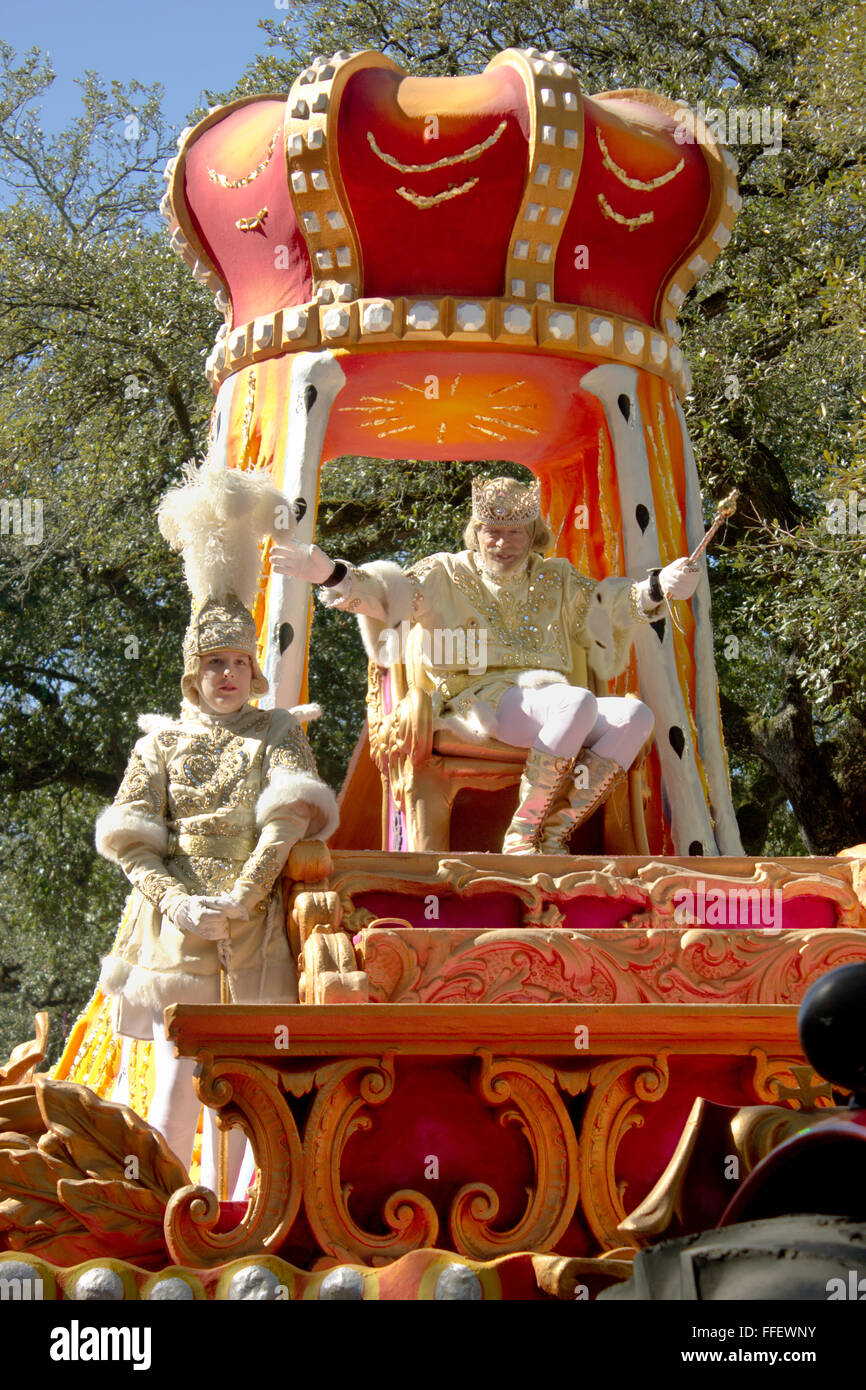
x=548, y=633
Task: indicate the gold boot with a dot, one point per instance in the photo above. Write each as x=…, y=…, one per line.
x=601, y=776
x=543, y=778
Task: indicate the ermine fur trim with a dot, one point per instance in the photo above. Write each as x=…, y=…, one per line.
x=118, y=828
x=285, y=789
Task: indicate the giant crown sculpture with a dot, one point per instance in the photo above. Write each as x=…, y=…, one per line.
x=475, y=267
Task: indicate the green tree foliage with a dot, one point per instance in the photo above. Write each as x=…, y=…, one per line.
x=103, y=335
x=102, y=396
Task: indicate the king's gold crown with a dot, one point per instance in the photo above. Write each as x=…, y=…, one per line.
x=505, y=502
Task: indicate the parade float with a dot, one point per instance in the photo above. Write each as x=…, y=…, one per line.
x=505, y=1075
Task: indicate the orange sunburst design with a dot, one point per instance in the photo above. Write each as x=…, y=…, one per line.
x=417, y=410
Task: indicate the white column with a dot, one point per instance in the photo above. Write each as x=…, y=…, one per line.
x=710, y=743
x=317, y=379
x=682, y=790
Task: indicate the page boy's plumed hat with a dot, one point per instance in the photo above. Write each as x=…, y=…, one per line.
x=217, y=519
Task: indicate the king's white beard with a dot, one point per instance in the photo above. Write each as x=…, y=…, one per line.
x=498, y=569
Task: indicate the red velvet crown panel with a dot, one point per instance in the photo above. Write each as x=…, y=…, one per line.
x=242, y=213
x=628, y=147
x=428, y=230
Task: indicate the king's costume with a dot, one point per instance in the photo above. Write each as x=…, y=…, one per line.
x=541, y=627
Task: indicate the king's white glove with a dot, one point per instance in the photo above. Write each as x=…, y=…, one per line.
x=205, y=917
x=302, y=562
x=680, y=579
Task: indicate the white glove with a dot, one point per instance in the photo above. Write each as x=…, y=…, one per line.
x=229, y=906
x=680, y=579
x=302, y=562
x=202, y=917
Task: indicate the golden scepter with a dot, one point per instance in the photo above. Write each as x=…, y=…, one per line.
x=724, y=511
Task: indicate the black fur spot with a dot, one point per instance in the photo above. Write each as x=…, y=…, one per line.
x=625, y=405
x=659, y=628
x=311, y=395
x=299, y=507
x=696, y=848
x=642, y=516
x=287, y=636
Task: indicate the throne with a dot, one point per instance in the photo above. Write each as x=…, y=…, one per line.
x=443, y=790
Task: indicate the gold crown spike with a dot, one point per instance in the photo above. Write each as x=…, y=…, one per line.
x=505, y=502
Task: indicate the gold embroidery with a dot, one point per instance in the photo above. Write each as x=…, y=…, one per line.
x=421, y=568
x=474, y=152
x=424, y=201
x=249, y=413
x=262, y=867
x=641, y=185
x=294, y=753
x=202, y=875
x=137, y=785
x=512, y=615
x=153, y=885
x=252, y=224
x=631, y=222
x=225, y=182
x=208, y=770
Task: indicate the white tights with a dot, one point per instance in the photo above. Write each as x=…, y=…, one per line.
x=561, y=719
x=174, y=1112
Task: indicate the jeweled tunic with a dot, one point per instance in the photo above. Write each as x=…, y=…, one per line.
x=208, y=804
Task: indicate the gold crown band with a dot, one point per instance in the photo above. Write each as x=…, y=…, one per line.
x=562, y=329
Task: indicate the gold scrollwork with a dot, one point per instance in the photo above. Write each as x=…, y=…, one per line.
x=525, y=1095
x=252, y=224
x=465, y=157
x=346, y=1090
x=772, y=1078
x=431, y=200
x=632, y=223
x=640, y=185
x=620, y=1088
x=249, y=1095
x=225, y=182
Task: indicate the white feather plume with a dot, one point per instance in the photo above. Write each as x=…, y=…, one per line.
x=217, y=519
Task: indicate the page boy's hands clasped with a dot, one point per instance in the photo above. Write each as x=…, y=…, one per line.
x=207, y=917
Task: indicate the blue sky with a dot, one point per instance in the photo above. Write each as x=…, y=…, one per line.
x=186, y=45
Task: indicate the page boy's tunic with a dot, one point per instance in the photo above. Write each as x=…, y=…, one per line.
x=208, y=804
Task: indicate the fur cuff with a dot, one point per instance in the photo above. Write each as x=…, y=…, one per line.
x=155, y=989
x=398, y=599
x=285, y=788
x=119, y=829
x=399, y=589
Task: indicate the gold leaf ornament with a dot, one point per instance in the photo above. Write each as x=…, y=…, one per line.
x=115, y=1208
x=101, y=1138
